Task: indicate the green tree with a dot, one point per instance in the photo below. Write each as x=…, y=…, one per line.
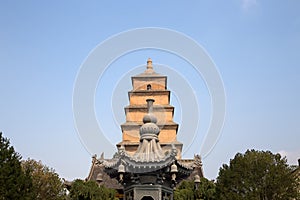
x=14, y=182
x=256, y=175
x=46, y=183
x=81, y=190
x=206, y=190
x=187, y=190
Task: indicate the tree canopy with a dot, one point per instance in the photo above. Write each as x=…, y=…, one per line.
x=14, y=182
x=81, y=190
x=187, y=190
x=257, y=175
x=46, y=183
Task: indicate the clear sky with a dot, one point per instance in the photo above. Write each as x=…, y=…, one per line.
x=255, y=45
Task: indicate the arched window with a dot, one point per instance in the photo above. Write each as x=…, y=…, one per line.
x=148, y=87
x=147, y=198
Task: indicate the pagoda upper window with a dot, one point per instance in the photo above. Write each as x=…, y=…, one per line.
x=148, y=87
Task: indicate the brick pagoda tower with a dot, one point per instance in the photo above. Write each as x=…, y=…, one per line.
x=149, y=85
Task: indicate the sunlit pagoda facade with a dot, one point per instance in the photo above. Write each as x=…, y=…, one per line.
x=148, y=162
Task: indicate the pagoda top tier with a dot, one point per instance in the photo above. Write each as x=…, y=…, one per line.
x=149, y=79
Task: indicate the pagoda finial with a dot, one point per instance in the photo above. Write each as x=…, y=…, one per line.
x=150, y=117
x=149, y=63
x=150, y=105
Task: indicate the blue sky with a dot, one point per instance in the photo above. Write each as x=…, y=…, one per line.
x=254, y=44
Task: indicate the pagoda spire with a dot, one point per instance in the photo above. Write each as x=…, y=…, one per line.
x=149, y=69
x=149, y=63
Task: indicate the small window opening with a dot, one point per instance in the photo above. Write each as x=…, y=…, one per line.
x=149, y=87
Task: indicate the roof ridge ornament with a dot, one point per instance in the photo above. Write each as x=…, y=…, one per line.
x=149, y=130
x=149, y=149
x=150, y=117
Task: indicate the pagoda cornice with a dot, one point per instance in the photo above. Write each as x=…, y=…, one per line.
x=149, y=92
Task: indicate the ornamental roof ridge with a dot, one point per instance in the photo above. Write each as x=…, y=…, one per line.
x=133, y=163
x=187, y=165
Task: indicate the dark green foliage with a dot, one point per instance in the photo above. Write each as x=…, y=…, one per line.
x=206, y=190
x=14, y=182
x=187, y=190
x=90, y=190
x=256, y=175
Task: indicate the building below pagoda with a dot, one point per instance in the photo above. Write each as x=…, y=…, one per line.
x=148, y=163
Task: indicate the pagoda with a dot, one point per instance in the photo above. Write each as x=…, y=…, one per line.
x=148, y=163
x=149, y=85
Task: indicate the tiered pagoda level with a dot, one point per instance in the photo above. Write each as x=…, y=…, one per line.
x=149, y=85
